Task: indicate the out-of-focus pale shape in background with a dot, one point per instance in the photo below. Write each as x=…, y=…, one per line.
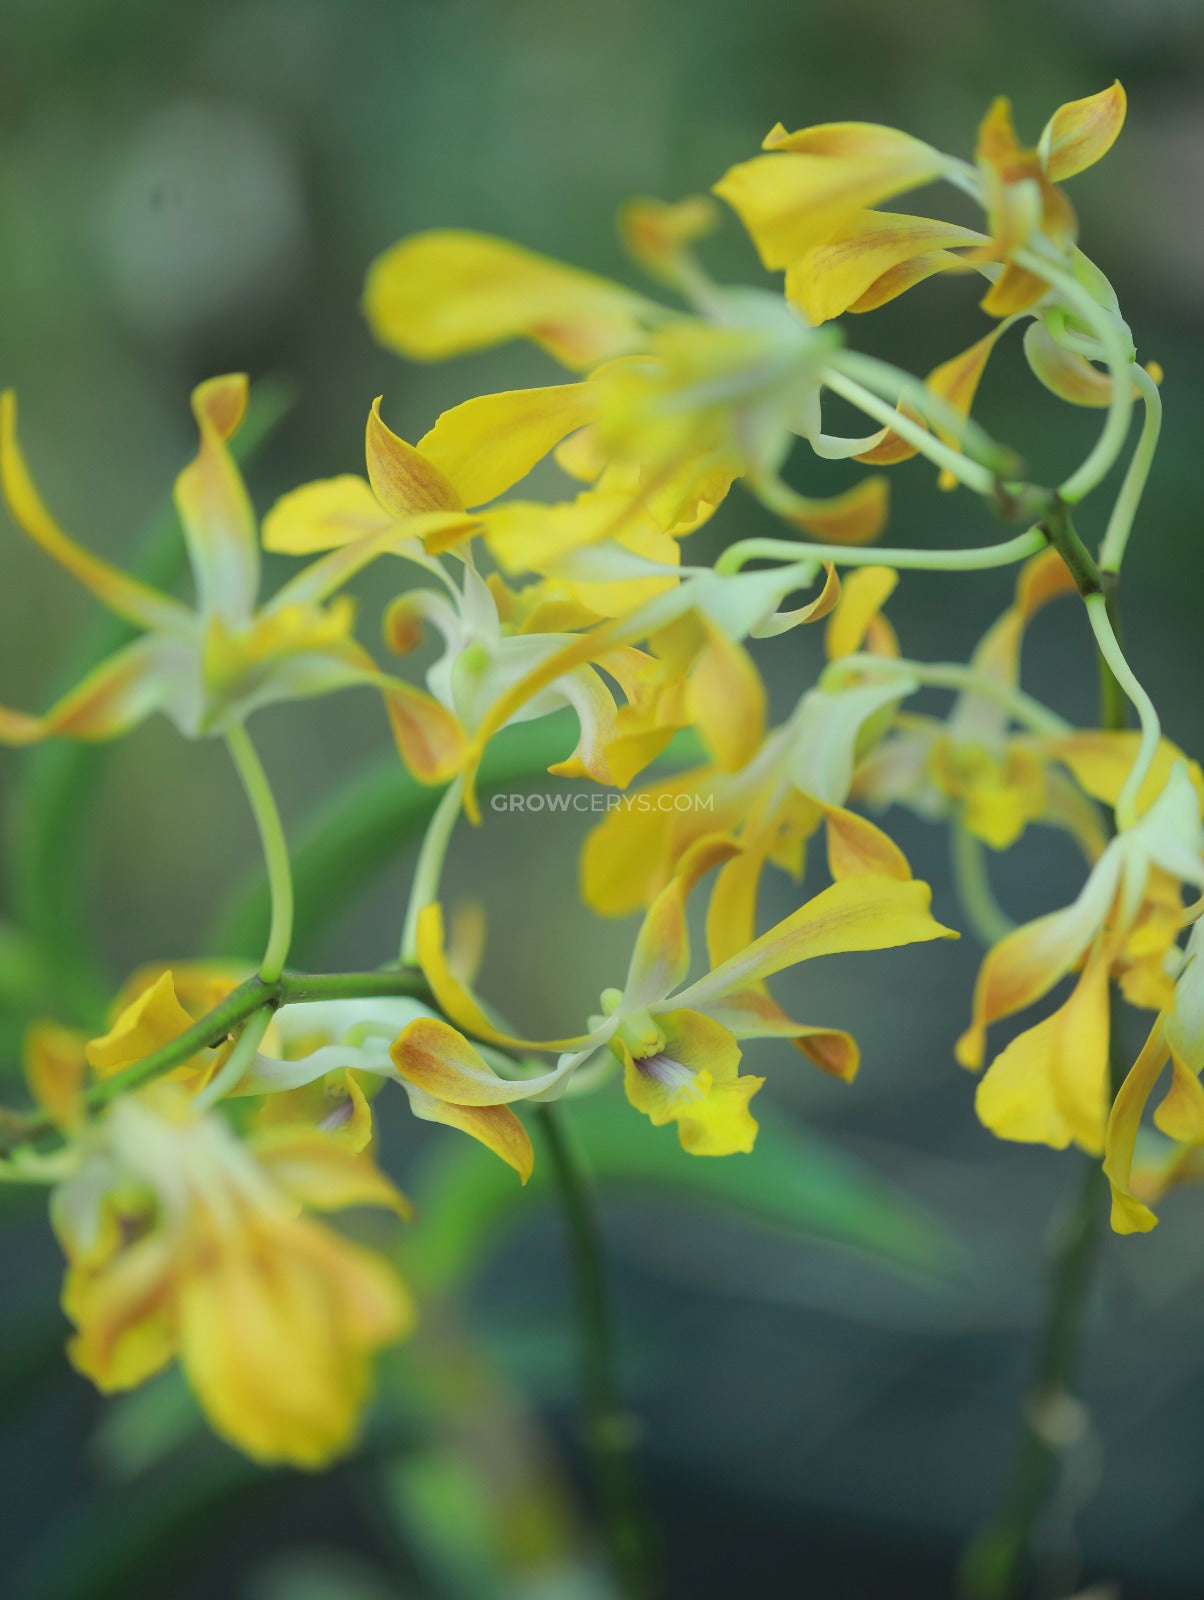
x=187, y=190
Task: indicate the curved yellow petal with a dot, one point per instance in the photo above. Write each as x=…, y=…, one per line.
x=404, y=481
x=1082, y=131
x=440, y=1061
x=456, y=1000
x=154, y=1018
x=496, y=1127
x=135, y=601
x=1130, y=1215
x=839, y=274
x=323, y=516
x=429, y=736
x=219, y=524
x=863, y=595
x=813, y=181
x=860, y=913
x=446, y=292
x=486, y=445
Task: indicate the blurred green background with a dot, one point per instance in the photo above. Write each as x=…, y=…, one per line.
x=829, y=1393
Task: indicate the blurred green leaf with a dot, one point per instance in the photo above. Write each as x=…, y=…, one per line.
x=793, y=1180
x=52, y=853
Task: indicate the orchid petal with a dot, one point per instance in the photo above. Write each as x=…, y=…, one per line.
x=136, y=602
x=445, y=292
x=219, y=524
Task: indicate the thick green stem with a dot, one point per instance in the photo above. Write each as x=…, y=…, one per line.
x=610, y=1430
x=275, y=850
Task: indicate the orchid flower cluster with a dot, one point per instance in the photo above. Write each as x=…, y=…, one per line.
x=194, y=1146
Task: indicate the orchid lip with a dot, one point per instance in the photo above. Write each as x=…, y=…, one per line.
x=663, y=1069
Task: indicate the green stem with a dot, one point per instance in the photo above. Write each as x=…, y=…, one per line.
x=1118, y=352
x=1101, y=613
x=429, y=868
x=968, y=472
x=275, y=850
x=952, y=675
x=976, y=559
x=609, y=1428
x=215, y=1027
x=1120, y=523
x=234, y=1068
x=904, y=388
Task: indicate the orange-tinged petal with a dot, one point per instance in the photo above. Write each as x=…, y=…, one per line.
x=122, y=692
x=428, y=735
x=811, y=184
x=404, y=481
x=496, y=1127
x=836, y=275
x=856, y=517
x=1082, y=131
x=1130, y=1215
x=446, y=292
x=440, y=1061
x=660, y=958
x=219, y=524
x=1026, y=964
x=1181, y=1113
x=135, y=601
x=957, y=380
x=856, y=846
x=1015, y=290
x=658, y=233
x=1064, y=372
x=486, y=445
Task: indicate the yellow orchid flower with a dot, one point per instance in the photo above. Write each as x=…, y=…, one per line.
x=974, y=766
x=808, y=205
x=678, y=1041
x=797, y=781
x=316, y=1068
x=154, y=1006
x=186, y=1244
x=325, y=1058
x=1178, y=1037
x=207, y=668
x=705, y=678
x=675, y=407
x=1050, y=1085
x=805, y=205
